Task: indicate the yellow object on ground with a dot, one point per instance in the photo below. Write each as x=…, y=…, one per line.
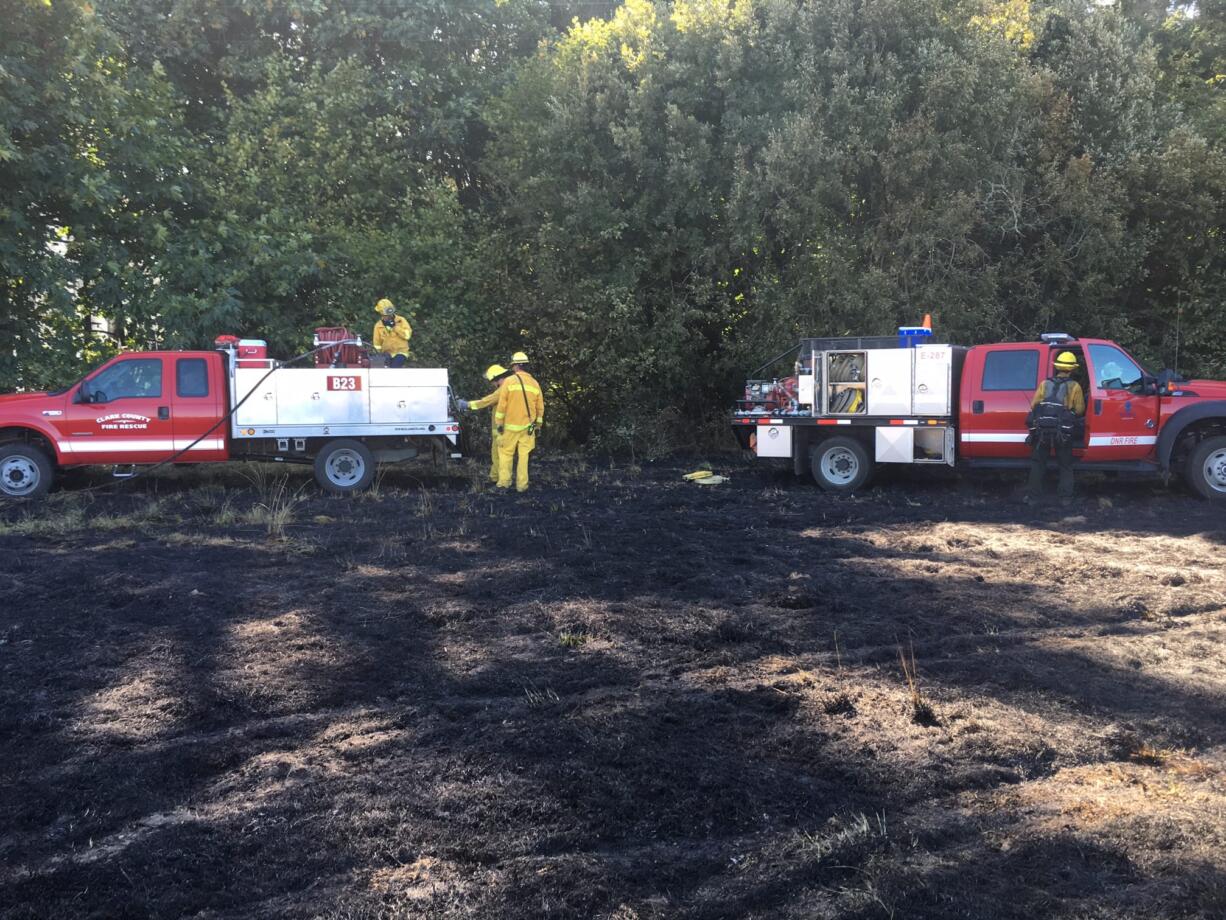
x=697, y=474
x=394, y=339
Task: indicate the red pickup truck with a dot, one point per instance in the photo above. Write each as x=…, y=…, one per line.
x=853, y=403
x=152, y=407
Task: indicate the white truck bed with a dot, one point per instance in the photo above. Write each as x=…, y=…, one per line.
x=317, y=402
x=906, y=398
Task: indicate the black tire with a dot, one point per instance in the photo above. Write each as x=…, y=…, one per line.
x=840, y=464
x=344, y=466
x=1206, y=469
x=25, y=471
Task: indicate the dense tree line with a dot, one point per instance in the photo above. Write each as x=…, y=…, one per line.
x=652, y=197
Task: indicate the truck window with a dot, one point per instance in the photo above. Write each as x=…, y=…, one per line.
x=1114, y=370
x=191, y=377
x=135, y=378
x=1011, y=370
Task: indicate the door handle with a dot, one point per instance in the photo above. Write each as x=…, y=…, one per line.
x=977, y=407
x=1098, y=407
x=163, y=412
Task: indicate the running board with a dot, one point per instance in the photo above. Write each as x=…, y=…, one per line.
x=124, y=472
x=1141, y=467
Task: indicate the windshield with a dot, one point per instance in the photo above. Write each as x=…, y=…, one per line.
x=93, y=370
x=1114, y=370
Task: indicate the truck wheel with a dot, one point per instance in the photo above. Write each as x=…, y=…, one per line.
x=840, y=464
x=25, y=471
x=1206, y=470
x=344, y=466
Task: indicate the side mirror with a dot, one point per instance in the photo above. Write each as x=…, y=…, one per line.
x=82, y=395
x=1149, y=386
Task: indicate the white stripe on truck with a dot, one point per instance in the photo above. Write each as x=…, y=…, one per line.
x=134, y=445
x=993, y=437
x=1103, y=440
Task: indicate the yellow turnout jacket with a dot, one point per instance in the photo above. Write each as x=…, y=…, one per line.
x=520, y=402
x=393, y=341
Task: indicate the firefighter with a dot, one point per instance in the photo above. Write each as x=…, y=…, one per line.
x=1057, y=411
x=392, y=334
x=495, y=373
x=520, y=414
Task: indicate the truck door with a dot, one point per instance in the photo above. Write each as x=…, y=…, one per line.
x=197, y=408
x=120, y=414
x=1121, y=421
x=997, y=385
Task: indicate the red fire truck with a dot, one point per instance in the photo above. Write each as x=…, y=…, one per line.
x=853, y=403
x=233, y=403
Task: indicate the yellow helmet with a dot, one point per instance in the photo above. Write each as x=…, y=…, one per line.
x=1066, y=361
x=494, y=371
x=385, y=307
x=519, y=358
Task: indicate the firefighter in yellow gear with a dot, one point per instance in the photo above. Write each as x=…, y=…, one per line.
x=1055, y=422
x=392, y=334
x=495, y=373
x=518, y=417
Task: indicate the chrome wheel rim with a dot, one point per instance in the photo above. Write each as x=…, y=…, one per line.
x=19, y=476
x=345, y=467
x=840, y=466
x=1215, y=470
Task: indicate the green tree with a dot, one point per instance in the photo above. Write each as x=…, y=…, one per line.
x=89, y=146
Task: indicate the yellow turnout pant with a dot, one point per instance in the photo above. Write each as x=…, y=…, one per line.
x=493, y=455
x=508, y=443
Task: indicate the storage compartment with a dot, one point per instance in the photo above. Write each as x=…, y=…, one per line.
x=932, y=390
x=307, y=396
x=408, y=394
x=261, y=408
x=895, y=444
x=931, y=445
x=846, y=387
x=252, y=353
x=914, y=444
x=773, y=441
x=889, y=381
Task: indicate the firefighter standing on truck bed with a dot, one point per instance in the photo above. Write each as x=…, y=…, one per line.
x=392, y=334
x=1056, y=422
x=520, y=413
x=495, y=373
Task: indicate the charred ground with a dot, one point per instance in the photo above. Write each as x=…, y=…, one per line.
x=620, y=695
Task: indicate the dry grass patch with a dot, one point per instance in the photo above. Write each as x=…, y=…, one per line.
x=922, y=712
